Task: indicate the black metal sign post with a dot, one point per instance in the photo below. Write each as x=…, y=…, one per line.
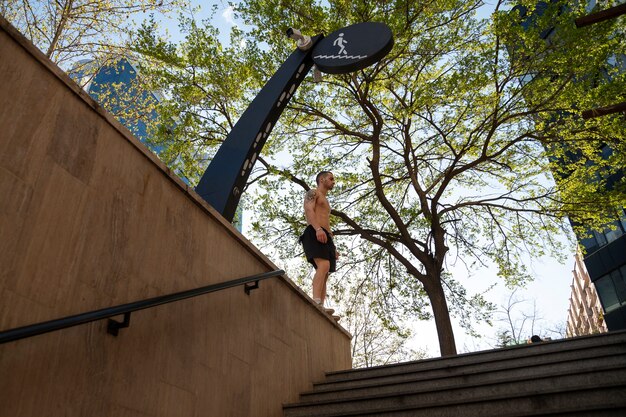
x=346, y=50
x=227, y=174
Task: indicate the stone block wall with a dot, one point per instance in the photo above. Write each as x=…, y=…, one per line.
x=90, y=218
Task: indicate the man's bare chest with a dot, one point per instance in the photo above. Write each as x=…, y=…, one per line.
x=322, y=204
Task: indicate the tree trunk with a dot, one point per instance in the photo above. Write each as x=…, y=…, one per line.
x=447, y=345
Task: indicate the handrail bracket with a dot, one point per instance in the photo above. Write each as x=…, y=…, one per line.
x=249, y=286
x=114, y=326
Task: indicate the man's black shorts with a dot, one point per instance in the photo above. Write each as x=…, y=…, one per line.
x=315, y=249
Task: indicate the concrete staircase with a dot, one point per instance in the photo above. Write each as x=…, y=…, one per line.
x=584, y=376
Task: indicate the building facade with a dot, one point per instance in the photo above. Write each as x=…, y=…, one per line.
x=605, y=261
x=585, y=314
x=115, y=85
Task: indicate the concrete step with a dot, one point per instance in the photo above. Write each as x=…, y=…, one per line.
x=495, y=355
x=552, y=405
x=350, y=390
x=502, y=365
x=578, y=412
x=586, y=390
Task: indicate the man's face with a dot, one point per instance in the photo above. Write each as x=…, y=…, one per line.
x=329, y=181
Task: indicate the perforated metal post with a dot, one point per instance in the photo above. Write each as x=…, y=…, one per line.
x=223, y=182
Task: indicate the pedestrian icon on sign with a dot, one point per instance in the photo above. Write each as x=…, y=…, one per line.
x=340, y=42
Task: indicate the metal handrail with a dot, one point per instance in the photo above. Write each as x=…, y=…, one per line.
x=125, y=309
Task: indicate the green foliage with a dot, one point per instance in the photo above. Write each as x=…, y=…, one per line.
x=443, y=150
x=206, y=84
x=68, y=30
x=505, y=339
x=85, y=37
x=440, y=115
x=577, y=76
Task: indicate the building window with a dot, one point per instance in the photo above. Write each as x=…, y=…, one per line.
x=611, y=289
x=611, y=235
x=599, y=239
x=590, y=5
x=619, y=279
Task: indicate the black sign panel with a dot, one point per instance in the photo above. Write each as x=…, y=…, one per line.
x=353, y=48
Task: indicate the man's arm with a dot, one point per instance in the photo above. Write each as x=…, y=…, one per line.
x=309, y=208
x=310, y=200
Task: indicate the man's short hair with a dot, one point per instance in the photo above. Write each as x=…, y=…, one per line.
x=320, y=175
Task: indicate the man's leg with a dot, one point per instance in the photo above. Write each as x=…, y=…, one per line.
x=319, y=279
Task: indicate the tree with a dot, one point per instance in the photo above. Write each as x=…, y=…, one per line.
x=207, y=86
x=69, y=30
x=439, y=148
x=89, y=37
x=373, y=342
x=587, y=156
x=518, y=325
x=519, y=322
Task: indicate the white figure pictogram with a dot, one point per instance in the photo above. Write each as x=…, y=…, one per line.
x=340, y=42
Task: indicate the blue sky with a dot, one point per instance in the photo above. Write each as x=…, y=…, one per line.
x=224, y=19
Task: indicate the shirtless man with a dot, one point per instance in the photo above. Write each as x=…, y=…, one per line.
x=317, y=239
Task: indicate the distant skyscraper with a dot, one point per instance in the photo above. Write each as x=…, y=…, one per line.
x=114, y=86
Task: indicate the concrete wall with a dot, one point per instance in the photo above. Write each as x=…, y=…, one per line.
x=89, y=218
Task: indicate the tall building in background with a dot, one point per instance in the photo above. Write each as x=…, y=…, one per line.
x=605, y=260
x=114, y=85
x=585, y=315
x=604, y=251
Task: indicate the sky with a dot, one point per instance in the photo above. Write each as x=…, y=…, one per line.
x=549, y=292
x=224, y=19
